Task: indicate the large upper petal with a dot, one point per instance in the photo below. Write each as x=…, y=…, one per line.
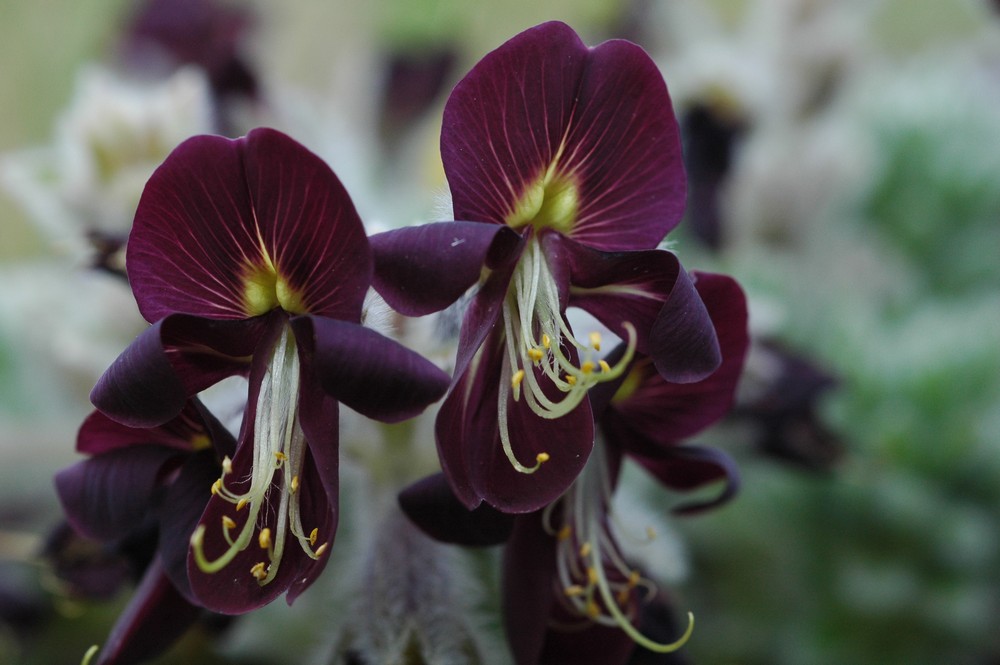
x=227, y=229
x=597, y=118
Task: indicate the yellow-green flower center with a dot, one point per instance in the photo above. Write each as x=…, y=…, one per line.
x=264, y=288
x=552, y=201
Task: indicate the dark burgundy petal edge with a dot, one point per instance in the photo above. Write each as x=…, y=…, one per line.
x=529, y=567
x=433, y=507
x=423, y=269
x=690, y=467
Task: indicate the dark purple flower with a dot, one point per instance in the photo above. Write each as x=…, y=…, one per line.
x=251, y=260
x=134, y=494
x=570, y=594
x=565, y=163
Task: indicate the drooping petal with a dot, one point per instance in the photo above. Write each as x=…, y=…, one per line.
x=172, y=360
x=472, y=453
x=423, y=269
x=665, y=412
x=229, y=229
x=619, y=287
x=431, y=504
x=107, y=496
x=683, y=344
x=368, y=372
x=154, y=619
x=545, y=130
x=686, y=468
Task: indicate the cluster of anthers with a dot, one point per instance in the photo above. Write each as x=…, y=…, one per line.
x=278, y=448
x=538, y=338
x=594, y=581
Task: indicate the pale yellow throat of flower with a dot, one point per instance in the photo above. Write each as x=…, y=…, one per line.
x=264, y=288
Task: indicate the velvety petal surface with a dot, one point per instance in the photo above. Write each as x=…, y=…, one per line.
x=529, y=570
x=107, y=496
x=431, y=504
x=667, y=412
x=597, y=120
x=175, y=358
x=155, y=618
x=423, y=269
x=682, y=342
x=194, y=428
x=470, y=448
x=368, y=372
x=229, y=229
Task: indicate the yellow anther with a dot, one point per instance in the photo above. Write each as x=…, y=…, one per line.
x=587, y=367
x=227, y=465
x=321, y=549
x=622, y=597
x=651, y=533
x=258, y=571
x=595, y=340
x=570, y=379
x=605, y=367
x=216, y=486
x=228, y=522
x=546, y=341
x=633, y=579
x=313, y=535
x=280, y=456
x=541, y=458
x=264, y=539
x=536, y=355
x=241, y=504
x=516, y=380
x=573, y=590
x=565, y=532
x=593, y=610
x=294, y=487
x=592, y=577
x=585, y=549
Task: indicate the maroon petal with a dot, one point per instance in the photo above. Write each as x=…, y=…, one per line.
x=471, y=452
x=529, y=573
x=423, y=269
x=599, y=119
x=682, y=342
x=107, y=496
x=619, y=287
x=179, y=512
x=194, y=428
x=154, y=619
x=170, y=361
x=433, y=507
x=686, y=468
x=372, y=374
x=229, y=229
x=666, y=412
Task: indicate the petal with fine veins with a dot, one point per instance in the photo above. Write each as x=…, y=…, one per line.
x=583, y=140
x=229, y=229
